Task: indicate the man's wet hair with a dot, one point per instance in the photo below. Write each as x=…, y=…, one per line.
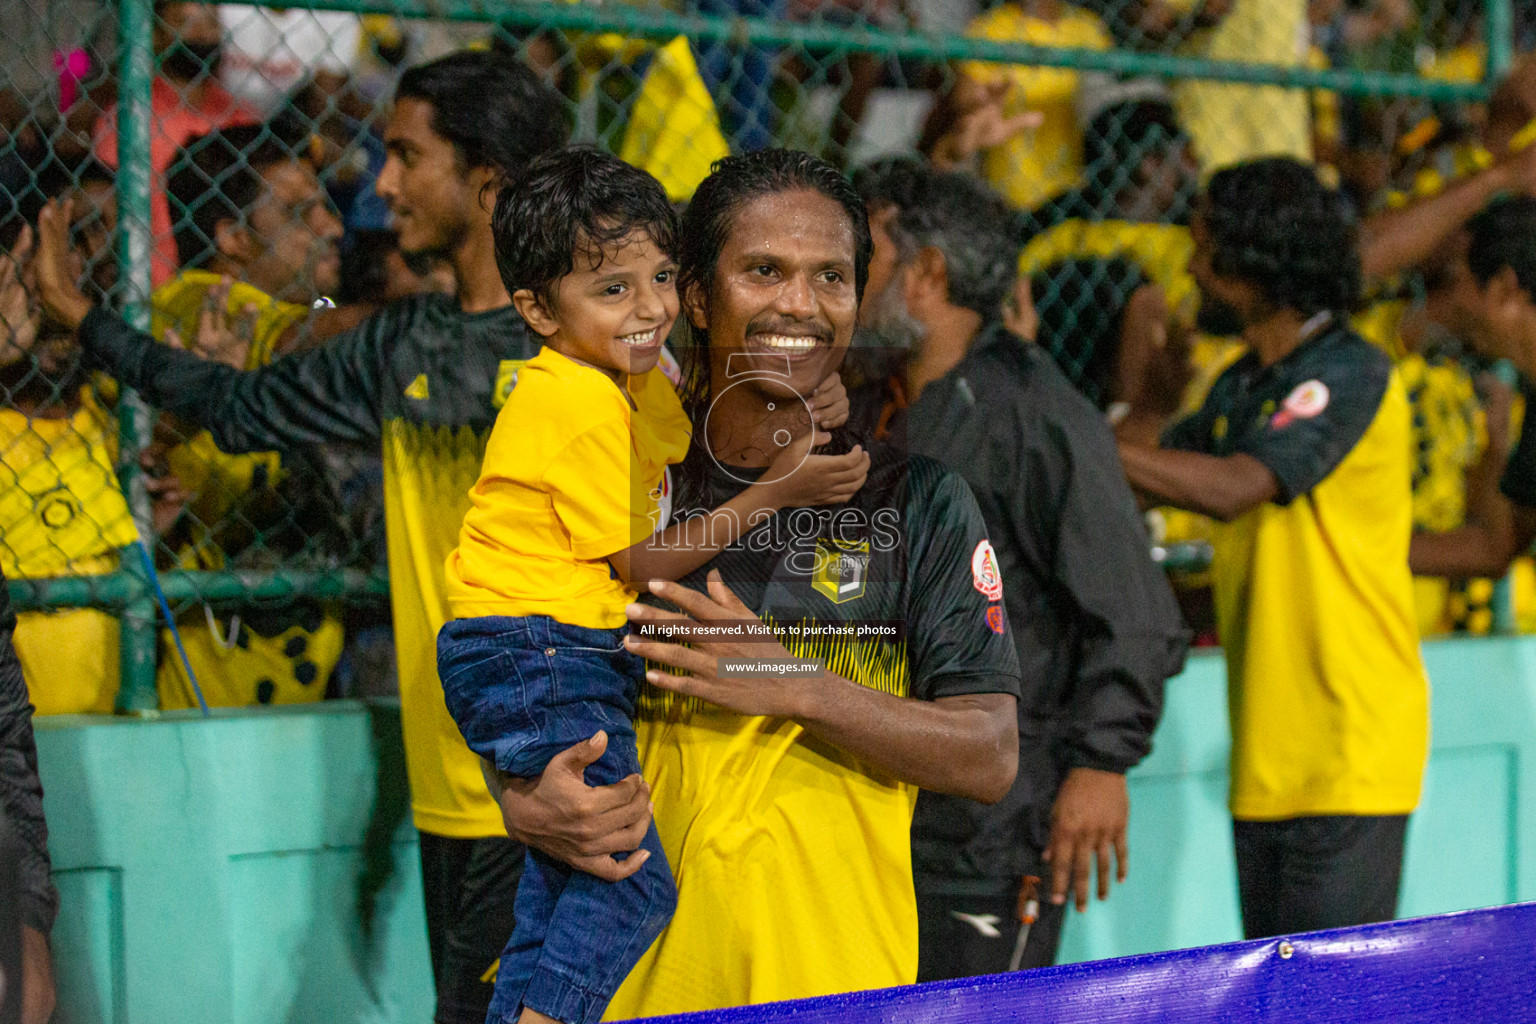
x=217, y=177
x=1504, y=235
x=1275, y=226
x=734, y=182
x=738, y=180
x=569, y=210
x=964, y=219
x=492, y=107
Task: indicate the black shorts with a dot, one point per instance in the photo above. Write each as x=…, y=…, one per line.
x=1307, y=874
x=469, y=886
x=961, y=934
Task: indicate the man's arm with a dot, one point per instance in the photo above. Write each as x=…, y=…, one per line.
x=1477, y=549
x=1278, y=460
x=1220, y=486
x=330, y=394
x=1395, y=240
x=963, y=745
x=1131, y=639
x=1501, y=504
x=1497, y=530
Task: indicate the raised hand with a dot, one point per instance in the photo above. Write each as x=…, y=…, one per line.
x=220, y=336
x=19, y=315
x=982, y=125
x=58, y=288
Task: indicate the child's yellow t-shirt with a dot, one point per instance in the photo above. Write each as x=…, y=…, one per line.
x=571, y=475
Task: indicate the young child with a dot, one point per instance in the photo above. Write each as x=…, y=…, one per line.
x=564, y=521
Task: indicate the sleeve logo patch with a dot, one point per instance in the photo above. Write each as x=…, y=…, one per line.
x=506, y=380
x=662, y=496
x=985, y=573
x=1304, y=402
x=995, y=621
x=670, y=367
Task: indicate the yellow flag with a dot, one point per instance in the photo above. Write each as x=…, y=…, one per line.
x=674, y=129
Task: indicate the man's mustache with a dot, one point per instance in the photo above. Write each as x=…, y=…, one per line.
x=818, y=329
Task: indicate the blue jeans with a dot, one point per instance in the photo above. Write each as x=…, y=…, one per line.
x=522, y=690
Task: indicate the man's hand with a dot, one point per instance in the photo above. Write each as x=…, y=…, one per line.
x=981, y=124
x=577, y=824
x=58, y=289
x=1019, y=313
x=221, y=337
x=1089, y=819
x=168, y=496
x=19, y=315
x=37, y=987
x=771, y=697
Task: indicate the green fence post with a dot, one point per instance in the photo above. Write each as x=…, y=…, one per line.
x=134, y=170
x=1501, y=40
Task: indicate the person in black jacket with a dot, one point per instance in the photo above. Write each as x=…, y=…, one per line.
x=29, y=895
x=1093, y=618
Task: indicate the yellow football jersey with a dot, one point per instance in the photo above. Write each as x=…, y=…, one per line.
x=62, y=513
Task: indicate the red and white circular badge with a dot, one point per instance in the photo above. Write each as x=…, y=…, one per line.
x=985, y=573
x=1307, y=400
x=1304, y=402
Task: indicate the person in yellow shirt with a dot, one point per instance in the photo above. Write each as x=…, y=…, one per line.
x=559, y=530
x=257, y=241
x=1491, y=302
x=1030, y=166
x=790, y=800
x=420, y=382
x=62, y=510
x=1301, y=452
x=1233, y=122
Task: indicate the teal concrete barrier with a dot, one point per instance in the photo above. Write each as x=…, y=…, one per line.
x=259, y=867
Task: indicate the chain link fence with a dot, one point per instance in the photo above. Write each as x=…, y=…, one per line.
x=221, y=162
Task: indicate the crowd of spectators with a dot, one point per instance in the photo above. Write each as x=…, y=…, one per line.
x=266, y=142
x=271, y=232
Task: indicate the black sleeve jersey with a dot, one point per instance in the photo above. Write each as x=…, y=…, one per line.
x=421, y=359
x=1299, y=417
x=21, y=794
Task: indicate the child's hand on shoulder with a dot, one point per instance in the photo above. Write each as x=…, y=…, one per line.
x=829, y=403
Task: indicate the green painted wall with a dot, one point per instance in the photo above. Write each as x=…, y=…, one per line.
x=214, y=870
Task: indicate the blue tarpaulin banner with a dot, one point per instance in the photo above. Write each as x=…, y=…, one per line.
x=1475, y=967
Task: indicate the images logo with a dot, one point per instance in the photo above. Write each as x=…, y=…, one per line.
x=743, y=369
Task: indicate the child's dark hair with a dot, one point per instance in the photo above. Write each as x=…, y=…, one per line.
x=571, y=204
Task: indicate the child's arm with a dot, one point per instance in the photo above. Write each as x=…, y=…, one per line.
x=793, y=480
